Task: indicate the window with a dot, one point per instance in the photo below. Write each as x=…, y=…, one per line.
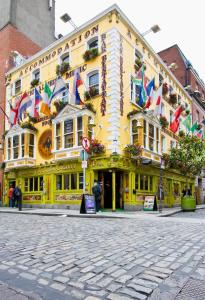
x=31, y=145
x=58, y=136
x=157, y=140
x=138, y=55
x=65, y=58
x=22, y=145
x=90, y=128
x=134, y=132
x=65, y=94
x=68, y=134
x=172, y=144
x=70, y=181
x=145, y=134
x=143, y=182
x=151, y=137
x=17, y=86
x=33, y=184
x=163, y=144
x=161, y=79
x=26, y=185
x=36, y=74
x=93, y=43
x=15, y=147
x=79, y=130
x=9, y=149
x=93, y=81
x=170, y=116
x=135, y=92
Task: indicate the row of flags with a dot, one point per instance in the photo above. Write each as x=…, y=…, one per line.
x=148, y=96
x=26, y=104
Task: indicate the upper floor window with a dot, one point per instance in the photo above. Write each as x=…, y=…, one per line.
x=162, y=109
x=172, y=144
x=31, y=145
x=90, y=128
x=22, y=144
x=9, y=149
x=197, y=116
x=17, y=86
x=93, y=80
x=171, y=116
x=134, y=132
x=68, y=133
x=163, y=143
x=79, y=130
x=161, y=79
x=151, y=137
x=36, y=74
x=58, y=136
x=157, y=140
x=135, y=92
x=93, y=43
x=138, y=54
x=15, y=146
x=65, y=58
x=145, y=134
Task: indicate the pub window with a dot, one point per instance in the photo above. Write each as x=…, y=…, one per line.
x=65, y=58
x=31, y=184
x=157, y=140
x=151, y=137
x=41, y=183
x=163, y=144
x=31, y=145
x=79, y=130
x=26, y=185
x=93, y=43
x=145, y=134
x=134, y=132
x=73, y=181
x=35, y=184
x=59, y=182
x=9, y=148
x=58, y=136
x=68, y=133
x=90, y=128
x=80, y=181
x=135, y=92
x=15, y=146
x=93, y=81
x=66, y=182
x=17, y=86
x=143, y=182
x=22, y=145
x=137, y=181
x=70, y=181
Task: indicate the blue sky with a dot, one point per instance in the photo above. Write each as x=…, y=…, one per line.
x=182, y=22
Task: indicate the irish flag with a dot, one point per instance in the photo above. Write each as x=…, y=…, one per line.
x=45, y=109
x=158, y=101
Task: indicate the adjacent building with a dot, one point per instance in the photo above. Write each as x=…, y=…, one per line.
x=43, y=155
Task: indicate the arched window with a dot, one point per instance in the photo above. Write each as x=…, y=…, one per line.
x=93, y=43
x=65, y=58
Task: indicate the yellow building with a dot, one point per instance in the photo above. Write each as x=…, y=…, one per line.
x=43, y=155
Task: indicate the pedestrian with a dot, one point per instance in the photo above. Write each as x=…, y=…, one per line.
x=97, y=190
x=18, y=197
x=11, y=196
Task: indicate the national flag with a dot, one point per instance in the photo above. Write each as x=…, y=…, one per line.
x=158, y=101
x=59, y=89
x=13, y=117
x=137, y=81
x=143, y=92
x=150, y=92
x=33, y=112
x=25, y=103
x=174, y=125
x=194, y=127
x=199, y=134
x=187, y=122
x=178, y=112
x=76, y=83
x=46, y=101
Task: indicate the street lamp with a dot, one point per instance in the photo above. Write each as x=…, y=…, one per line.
x=154, y=29
x=66, y=18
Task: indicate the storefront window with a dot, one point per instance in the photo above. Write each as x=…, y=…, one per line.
x=15, y=146
x=31, y=145
x=26, y=185
x=41, y=183
x=134, y=132
x=33, y=184
x=68, y=133
x=66, y=182
x=73, y=181
x=59, y=182
x=70, y=181
x=143, y=182
x=79, y=130
x=151, y=137
x=137, y=182
x=81, y=181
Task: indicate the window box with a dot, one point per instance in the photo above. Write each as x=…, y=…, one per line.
x=181, y=133
x=96, y=147
x=28, y=125
x=59, y=105
x=34, y=82
x=90, y=54
x=134, y=150
x=138, y=64
x=163, y=121
x=92, y=92
x=62, y=68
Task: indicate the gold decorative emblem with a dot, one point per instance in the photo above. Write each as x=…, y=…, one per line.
x=45, y=144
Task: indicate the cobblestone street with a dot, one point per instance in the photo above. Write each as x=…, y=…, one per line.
x=44, y=257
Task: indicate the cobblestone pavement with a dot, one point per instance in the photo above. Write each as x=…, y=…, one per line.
x=116, y=259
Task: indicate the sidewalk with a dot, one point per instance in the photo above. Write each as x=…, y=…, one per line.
x=108, y=214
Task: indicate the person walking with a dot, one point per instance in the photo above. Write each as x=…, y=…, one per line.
x=96, y=189
x=18, y=197
x=11, y=196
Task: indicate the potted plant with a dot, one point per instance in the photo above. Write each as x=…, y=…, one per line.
x=90, y=54
x=59, y=105
x=189, y=159
x=138, y=64
x=92, y=92
x=163, y=121
x=28, y=125
x=96, y=147
x=134, y=150
x=133, y=112
x=90, y=107
x=173, y=98
x=181, y=133
x=34, y=82
x=165, y=89
x=62, y=68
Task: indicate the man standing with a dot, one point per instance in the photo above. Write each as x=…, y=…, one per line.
x=18, y=197
x=96, y=189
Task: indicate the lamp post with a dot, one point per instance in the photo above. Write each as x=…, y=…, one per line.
x=154, y=29
x=160, y=187
x=66, y=18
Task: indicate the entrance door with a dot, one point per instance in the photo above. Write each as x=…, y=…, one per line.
x=12, y=183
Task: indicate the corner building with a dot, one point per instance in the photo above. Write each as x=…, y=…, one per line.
x=44, y=158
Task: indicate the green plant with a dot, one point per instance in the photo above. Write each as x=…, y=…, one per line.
x=92, y=92
x=181, y=133
x=163, y=121
x=173, y=98
x=133, y=112
x=165, y=88
x=28, y=125
x=90, y=107
x=59, y=105
x=96, y=147
x=34, y=82
x=138, y=64
x=32, y=119
x=62, y=68
x=133, y=149
x=90, y=54
x=4, y=134
x=2, y=165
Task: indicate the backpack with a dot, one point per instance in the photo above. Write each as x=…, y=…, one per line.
x=17, y=192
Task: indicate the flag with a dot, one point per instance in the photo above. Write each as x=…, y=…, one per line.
x=59, y=89
x=194, y=127
x=143, y=92
x=199, y=134
x=187, y=122
x=46, y=101
x=13, y=117
x=137, y=81
x=76, y=83
x=33, y=112
x=150, y=93
x=174, y=125
x=158, y=101
x=178, y=112
x=25, y=103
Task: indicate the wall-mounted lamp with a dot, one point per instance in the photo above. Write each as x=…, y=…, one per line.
x=154, y=29
x=66, y=18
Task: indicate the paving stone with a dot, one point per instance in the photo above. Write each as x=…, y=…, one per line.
x=58, y=286
x=132, y=294
x=43, y=281
x=114, y=287
x=150, y=278
x=76, y=284
x=117, y=297
x=104, y=282
x=87, y=277
x=139, y=288
x=92, y=298
x=77, y=294
x=87, y=269
x=124, y=278
x=162, y=270
x=28, y=276
x=157, y=274
x=61, y=279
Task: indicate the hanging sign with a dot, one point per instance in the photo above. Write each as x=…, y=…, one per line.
x=86, y=144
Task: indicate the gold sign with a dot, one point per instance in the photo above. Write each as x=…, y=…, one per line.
x=45, y=144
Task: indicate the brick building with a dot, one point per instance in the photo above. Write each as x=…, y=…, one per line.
x=22, y=30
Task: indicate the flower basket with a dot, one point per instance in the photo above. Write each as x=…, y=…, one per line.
x=28, y=125
x=63, y=68
x=59, y=105
x=90, y=107
x=181, y=133
x=133, y=150
x=165, y=89
x=133, y=112
x=173, y=99
x=138, y=64
x=96, y=147
x=90, y=54
x=92, y=92
x=34, y=82
x=163, y=121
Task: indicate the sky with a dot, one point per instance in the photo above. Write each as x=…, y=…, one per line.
x=182, y=22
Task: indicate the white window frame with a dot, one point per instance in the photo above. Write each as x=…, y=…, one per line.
x=163, y=144
x=67, y=53
x=88, y=77
x=57, y=136
x=38, y=70
x=134, y=133
x=31, y=145
x=73, y=132
x=78, y=131
x=91, y=40
x=14, y=86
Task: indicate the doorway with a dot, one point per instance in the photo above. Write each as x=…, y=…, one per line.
x=105, y=179
x=12, y=183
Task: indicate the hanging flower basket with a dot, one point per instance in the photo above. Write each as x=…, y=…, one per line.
x=92, y=92
x=28, y=125
x=90, y=54
x=173, y=99
x=133, y=112
x=133, y=150
x=163, y=121
x=181, y=133
x=90, y=107
x=59, y=105
x=165, y=89
x=138, y=64
x=62, y=68
x=96, y=147
x=34, y=82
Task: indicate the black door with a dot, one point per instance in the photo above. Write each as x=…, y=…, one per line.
x=107, y=190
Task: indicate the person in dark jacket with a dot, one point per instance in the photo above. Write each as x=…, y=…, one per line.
x=18, y=197
x=96, y=189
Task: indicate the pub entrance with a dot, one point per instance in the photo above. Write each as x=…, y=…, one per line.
x=106, y=180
